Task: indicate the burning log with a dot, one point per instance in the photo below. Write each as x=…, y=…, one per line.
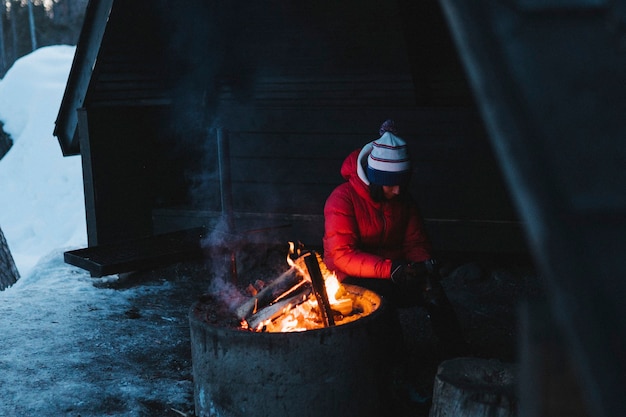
x=287, y=281
x=307, y=296
x=319, y=288
x=277, y=309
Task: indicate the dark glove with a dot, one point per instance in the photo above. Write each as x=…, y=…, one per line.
x=432, y=266
x=409, y=276
x=433, y=290
x=433, y=277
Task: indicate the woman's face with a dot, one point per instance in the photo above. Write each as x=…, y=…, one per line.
x=391, y=191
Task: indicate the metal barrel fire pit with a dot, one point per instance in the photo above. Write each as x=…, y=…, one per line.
x=339, y=370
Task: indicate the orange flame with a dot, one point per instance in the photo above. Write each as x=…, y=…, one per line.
x=305, y=316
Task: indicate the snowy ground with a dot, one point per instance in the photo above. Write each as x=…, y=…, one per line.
x=73, y=345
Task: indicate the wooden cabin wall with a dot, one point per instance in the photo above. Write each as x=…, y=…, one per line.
x=297, y=86
x=147, y=179
x=130, y=166
x=285, y=162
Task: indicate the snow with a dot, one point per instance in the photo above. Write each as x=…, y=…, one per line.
x=42, y=192
x=73, y=345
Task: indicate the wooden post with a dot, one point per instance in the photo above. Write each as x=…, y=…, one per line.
x=226, y=192
x=473, y=387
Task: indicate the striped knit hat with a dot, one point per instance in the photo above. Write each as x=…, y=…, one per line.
x=388, y=162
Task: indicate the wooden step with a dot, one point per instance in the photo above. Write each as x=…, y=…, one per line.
x=139, y=254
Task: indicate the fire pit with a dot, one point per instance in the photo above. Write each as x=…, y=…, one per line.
x=337, y=369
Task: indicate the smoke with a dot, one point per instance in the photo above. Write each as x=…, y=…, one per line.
x=220, y=250
x=227, y=252
x=218, y=53
x=213, y=64
x=227, y=293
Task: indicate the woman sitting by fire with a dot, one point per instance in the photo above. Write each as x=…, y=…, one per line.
x=374, y=235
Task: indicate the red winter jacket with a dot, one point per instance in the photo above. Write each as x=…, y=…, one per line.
x=363, y=236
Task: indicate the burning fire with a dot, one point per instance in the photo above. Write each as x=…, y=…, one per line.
x=297, y=307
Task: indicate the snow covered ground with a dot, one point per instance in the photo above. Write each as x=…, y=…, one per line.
x=76, y=346
x=73, y=345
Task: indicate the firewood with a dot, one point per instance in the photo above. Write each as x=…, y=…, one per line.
x=276, y=309
x=280, y=285
x=319, y=288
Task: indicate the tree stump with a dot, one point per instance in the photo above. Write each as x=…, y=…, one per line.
x=8, y=270
x=473, y=387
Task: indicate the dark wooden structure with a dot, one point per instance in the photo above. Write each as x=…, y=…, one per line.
x=549, y=78
x=191, y=114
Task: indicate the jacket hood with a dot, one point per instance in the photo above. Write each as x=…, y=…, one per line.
x=353, y=171
x=355, y=164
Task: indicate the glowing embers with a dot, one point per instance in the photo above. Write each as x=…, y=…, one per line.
x=307, y=296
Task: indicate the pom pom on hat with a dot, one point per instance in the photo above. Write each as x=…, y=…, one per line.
x=388, y=162
x=388, y=126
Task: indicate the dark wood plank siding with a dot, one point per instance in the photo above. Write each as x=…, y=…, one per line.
x=456, y=175
x=130, y=68
x=119, y=163
x=285, y=162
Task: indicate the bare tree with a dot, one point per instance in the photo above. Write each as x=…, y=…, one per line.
x=3, y=55
x=13, y=18
x=31, y=22
x=8, y=271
